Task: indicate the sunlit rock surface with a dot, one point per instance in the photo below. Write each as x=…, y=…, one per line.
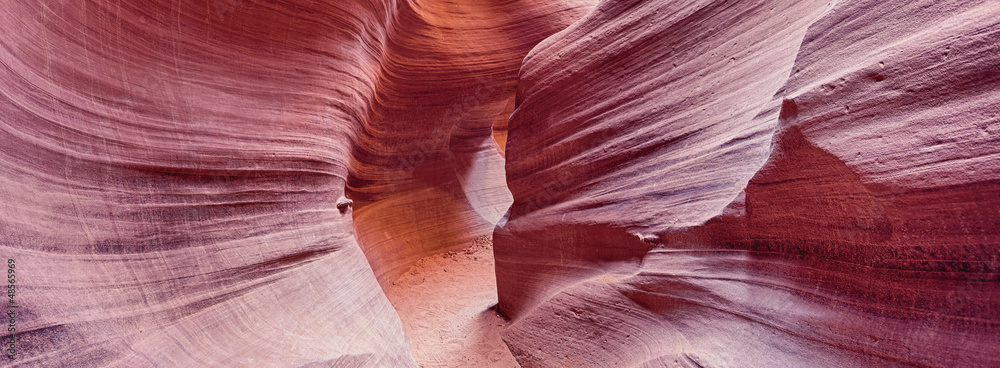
x=782, y=183
x=426, y=170
x=695, y=183
x=174, y=175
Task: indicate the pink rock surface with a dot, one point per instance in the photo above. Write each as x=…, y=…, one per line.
x=426, y=172
x=173, y=173
x=170, y=173
x=777, y=183
x=691, y=183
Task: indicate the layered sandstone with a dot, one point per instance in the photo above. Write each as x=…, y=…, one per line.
x=691, y=183
x=777, y=183
x=177, y=177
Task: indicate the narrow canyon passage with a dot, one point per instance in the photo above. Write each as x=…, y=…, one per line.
x=447, y=304
x=370, y=183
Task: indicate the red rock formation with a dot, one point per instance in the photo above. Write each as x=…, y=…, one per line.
x=757, y=184
x=694, y=183
x=426, y=171
x=170, y=173
x=173, y=174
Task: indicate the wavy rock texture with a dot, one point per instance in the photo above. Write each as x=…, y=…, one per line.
x=777, y=183
x=691, y=183
x=173, y=174
x=427, y=172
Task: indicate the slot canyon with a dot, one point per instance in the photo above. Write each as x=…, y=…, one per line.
x=500, y=183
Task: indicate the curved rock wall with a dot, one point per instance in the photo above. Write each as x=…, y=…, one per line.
x=775, y=183
x=427, y=174
x=691, y=183
x=170, y=172
x=175, y=175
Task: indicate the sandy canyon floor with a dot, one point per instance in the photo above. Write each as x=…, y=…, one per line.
x=447, y=304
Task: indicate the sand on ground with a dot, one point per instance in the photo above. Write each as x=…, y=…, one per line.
x=448, y=305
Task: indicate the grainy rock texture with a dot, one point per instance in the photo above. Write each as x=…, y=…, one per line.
x=750, y=184
x=426, y=171
x=448, y=305
x=173, y=173
x=693, y=183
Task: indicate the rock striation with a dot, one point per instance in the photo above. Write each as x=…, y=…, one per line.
x=747, y=184
x=181, y=181
x=426, y=170
x=697, y=183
